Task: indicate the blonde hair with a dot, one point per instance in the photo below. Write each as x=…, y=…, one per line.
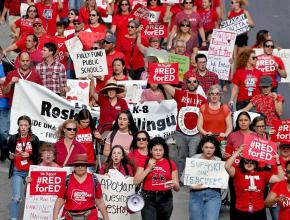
x=60, y=132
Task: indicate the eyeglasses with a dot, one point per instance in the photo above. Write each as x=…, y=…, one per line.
x=106, y=42
x=93, y=15
x=287, y=171
x=32, y=11
x=71, y=129
x=214, y=93
x=270, y=46
x=77, y=23
x=95, y=48
x=141, y=139
x=184, y=25
x=260, y=126
x=265, y=87
x=191, y=81
x=37, y=25
x=124, y=4
x=132, y=27
x=249, y=161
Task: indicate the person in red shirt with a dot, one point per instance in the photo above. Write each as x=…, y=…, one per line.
x=216, y=5
x=249, y=185
x=71, y=17
x=14, y=10
x=118, y=160
x=119, y=70
x=81, y=195
x=246, y=79
x=280, y=194
x=159, y=176
x=157, y=11
x=96, y=23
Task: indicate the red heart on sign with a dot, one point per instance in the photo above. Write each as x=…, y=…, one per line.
x=83, y=85
x=72, y=98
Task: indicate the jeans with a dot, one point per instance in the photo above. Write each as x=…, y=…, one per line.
x=186, y=147
x=274, y=211
x=75, y=4
x=204, y=204
x=18, y=181
x=158, y=206
x=4, y=127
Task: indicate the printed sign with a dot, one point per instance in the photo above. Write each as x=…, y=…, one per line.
x=282, y=131
x=92, y=62
x=259, y=149
x=155, y=30
x=158, y=119
x=154, y=16
x=183, y=64
x=79, y=91
x=238, y=24
x=141, y=13
x=209, y=173
x=188, y=110
x=163, y=73
x=220, y=52
x=134, y=89
x=115, y=194
x=41, y=192
x=46, y=109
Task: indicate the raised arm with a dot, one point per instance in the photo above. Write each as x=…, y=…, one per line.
x=169, y=89
x=229, y=163
x=141, y=173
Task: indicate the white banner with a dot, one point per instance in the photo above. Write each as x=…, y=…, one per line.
x=115, y=194
x=41, y=206
x=220, y=51
x=134, y=89
x=158, y=119
x=209, y=173
x=90, y=62
x=46, y=109
x=238, y=24
x=79, y=91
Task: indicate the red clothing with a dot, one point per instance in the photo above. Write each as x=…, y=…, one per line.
x=61, y=151
x=281, y=190
x=194, y=18
x=110, y=59
x=24, y=25
x=176, y=8
x=32, y=76
x=99, y=29
x=150, y=95
x=275, y=168
x=208, y=18
x=121, y=22
x=234, y=14
x=35, y=58
x=249, y=189
x=266, y=105
x=185, y=99
x=48, y=15
x=125, y=45
x=214, y=4
x=120, y=168
x=105, y=107
x=64, y=11
x=84, y=13
x=160, y=13
x=23, y=145
x=43, y=39
x=248, y=83
x=80, y=196
x=156, y=179
x=14, y=6
x=84, y=136
x=207, y=80
x=137, y=159
x=266, y=64
x=61, y=50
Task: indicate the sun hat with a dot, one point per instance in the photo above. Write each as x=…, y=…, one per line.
x=112, y=84
x=80, y=159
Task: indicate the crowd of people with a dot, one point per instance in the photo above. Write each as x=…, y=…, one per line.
x=204, y=120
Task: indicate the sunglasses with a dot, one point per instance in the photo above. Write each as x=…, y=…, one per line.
x=215, y=93
x=32, y=11
x=124, y=4
x=260, y=126
x=265, y=87
x=270, y=46
x=71, y=129
x=187, y=3
x=37, y=25
x=141, y=139
x=71, y=13
x=93, y=15
x=184, y=25
x=249, y=161
x=77, y=23
x=129, y=26
x=95, y=48
x=287, y=171
x=106, y=42
x=191, y=81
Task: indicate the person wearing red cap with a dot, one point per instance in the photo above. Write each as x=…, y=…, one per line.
x=188, y=103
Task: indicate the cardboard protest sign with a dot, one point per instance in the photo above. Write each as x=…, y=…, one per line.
x=46, y=109
x=41, y=192
x=116, y=191
x=88, y=38
x=282, y=131
x=155, y=30
x=220, y=51
x=92, y=62
x=141, y=13
x=238, y=24
x=68, y=32
x=188, y=111
x=154, y=16
x=259, y=149
x=73, y=45
x=209, y=173
x=163, y=73
x=79, y=91
x=183, y=64
x=136, y=2
x=158, y=119
x=134, y=89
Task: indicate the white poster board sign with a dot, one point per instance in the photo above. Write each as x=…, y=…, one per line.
x=134, y=89
x=238, y=24
x=79, y=91
x=73, y=45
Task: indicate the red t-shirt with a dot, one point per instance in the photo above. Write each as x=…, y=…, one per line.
x=281, y=190
x=186, y=118
x=61, y=151
x=48, y=15
x=266, y=64
x=24, y=24
x=176, y=8
x=234, y=14
x=23, y=145
x=84, y=136
x=194, y=18
x=137, y=159
x=208, y=18
x=43, y=39
x=106, y=107
x=120, y=168
x=156, y=179
x=249, y=189
x=121, y=22
x=64, y=11
x=110, y=59
x=84, y=13
x=80, y=196
x=159, y=11
x=248, y=83
x=99, y=29
x=61, y=49
x=14, y=6
x=214, y=4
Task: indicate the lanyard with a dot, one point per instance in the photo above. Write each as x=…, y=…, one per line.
x=22, y=76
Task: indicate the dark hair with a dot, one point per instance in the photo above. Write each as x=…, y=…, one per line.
x=100, y=20
x=74, y=10
x=60, y=24
x=119, y=10
x=123, y=63
x=287, y=163
x=158, y=3
x=34, y=38
x=192, y=1
x=237, y=128
x=85, y=114
x=134, y=141
x=24, y=118
x=264, y=44
x=159, y=87
x=51, y=47
x=200, y=55
x=261, y=37
x=124, y=162
x=212, y=140
x=242, y=167
x=256, y=120
x=30, y=6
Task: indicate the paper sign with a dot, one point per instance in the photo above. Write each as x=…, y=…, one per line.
x=220, y=51
x=90, y=62
x=238, y=24
x=23, y=9
x=155, y=30
x=282, y=131
x=209, y=173
x=183, y=64
x=134, y=89
x=79, y=91
x=154, y=16
x=68, y=32
x=259, y=149
x=141, y=13
x=136, y=2
x=163, y=73
x=73, y=45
